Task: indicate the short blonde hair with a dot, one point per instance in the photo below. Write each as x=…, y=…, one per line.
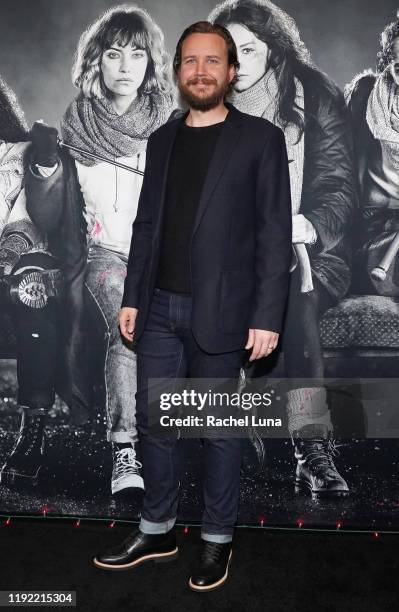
x=122, y=24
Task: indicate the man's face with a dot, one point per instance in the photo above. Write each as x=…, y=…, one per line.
x=253, y=55
x=204, y=74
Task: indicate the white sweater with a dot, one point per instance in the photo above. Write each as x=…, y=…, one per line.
x=111, y=195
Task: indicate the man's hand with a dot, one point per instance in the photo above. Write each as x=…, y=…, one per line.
x=127, y=322
x=45, y=144
x=303, y=230
x=262, y=342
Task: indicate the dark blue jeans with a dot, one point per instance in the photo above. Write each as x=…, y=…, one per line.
x=168, y=349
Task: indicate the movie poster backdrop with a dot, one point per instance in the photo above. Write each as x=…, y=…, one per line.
x=329, y=77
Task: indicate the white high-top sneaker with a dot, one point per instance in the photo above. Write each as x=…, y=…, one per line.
x=126, y=470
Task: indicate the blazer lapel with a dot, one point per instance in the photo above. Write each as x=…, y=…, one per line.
x=170, y=138
x=224, y=147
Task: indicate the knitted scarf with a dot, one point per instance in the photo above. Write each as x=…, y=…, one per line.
x=261, y=100
x=93, y=124
x=383, y=116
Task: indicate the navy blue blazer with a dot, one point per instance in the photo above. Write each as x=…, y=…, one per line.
x=241, y=244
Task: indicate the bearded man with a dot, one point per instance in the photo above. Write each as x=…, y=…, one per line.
x=207, y=281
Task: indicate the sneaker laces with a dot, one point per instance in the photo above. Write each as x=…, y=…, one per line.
x=126, y=462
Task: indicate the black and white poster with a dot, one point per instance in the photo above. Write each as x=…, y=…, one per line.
x=328, y=75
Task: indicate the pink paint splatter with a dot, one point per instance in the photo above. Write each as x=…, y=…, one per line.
x=97, y=229
x=102, y=276
x=111, y=272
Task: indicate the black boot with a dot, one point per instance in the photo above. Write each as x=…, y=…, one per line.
x=23, y=465
x=315, y=471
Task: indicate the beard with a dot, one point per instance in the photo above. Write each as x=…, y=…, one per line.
x=203, y=102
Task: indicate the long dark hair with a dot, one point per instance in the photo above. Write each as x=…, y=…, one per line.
x=289, y=56
x=121, y=24
x=13, y=126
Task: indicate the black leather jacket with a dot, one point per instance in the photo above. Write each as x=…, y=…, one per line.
x=376, y=214
x=329, y=193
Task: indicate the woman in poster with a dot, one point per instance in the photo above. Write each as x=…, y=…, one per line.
x=88, y=207
x=278, y=81
x=373, y=101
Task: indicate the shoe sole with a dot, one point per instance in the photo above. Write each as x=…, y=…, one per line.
x=215, y=585
x=125, y=487
x=128, y=483
x=306, y=489
x=156, y=557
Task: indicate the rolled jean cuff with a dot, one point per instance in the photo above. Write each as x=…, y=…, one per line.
x=153, y=528
x=122, y=436
x=219, y=538
x=34, y=411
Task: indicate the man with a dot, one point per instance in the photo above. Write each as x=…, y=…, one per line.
x=211, y=248
x=277, y=80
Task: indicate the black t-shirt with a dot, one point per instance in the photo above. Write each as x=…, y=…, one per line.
x=191, y=154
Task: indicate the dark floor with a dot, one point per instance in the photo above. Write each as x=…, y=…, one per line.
x=276, y=571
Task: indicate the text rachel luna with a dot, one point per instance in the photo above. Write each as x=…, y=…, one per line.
x=212, y=421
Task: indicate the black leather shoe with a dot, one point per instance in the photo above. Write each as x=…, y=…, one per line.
x=316, y=473
x=213, y=567
x=137, y=548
